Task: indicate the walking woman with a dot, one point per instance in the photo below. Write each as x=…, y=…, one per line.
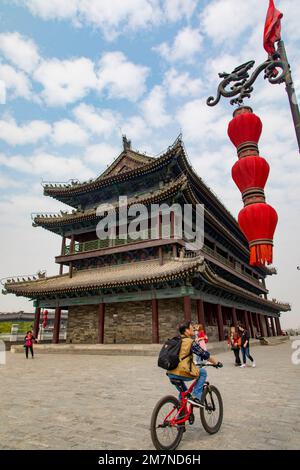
x=245, y=346
x=29, y=339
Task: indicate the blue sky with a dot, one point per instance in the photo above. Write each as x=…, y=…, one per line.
x=76, y=75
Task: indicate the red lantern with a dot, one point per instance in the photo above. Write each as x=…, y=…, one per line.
x=258, y=222
x=250, y=172
x=244, y=128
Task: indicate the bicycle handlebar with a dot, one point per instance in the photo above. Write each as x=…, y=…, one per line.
x=216, y=366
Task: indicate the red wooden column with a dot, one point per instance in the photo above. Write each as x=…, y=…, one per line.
x=260, y=323
x=56, y=329
x=234, y=317
x=251, y=324
x=220, y=322
x=273, y=326
x=256, y=322
x=278, y=327
x=172, y=224
x=155, y=328
x=101, y=319
x=200, y=312
x=36, y=325
x=187, y=307
x=160, y=234
x=72, y=246
x=62, y=252
x=160, y=255
x=267, y=326
x=246, y=321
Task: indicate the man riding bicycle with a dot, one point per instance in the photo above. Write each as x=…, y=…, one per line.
x=186, y=369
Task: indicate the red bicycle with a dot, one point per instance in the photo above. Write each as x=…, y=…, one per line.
x=170, y=414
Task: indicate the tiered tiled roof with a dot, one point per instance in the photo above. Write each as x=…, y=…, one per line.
x=151, y=197
x=152, y=164
x=135, y=273
x=142, y=272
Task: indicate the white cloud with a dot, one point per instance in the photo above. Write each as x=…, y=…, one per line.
x=6, y=182
x=187, y=44
x=135, y=128
x=153, y=108
x=18, y=82
x=225, y=20
x=201, y=124
x=19, y=50
x=115, y=16
x=68, y=132
x=290, y=21
x=55, y=9
x=47, y=166
x=98, y=121
x=101, y=154
x=181, y=84
x=29, y=133
x=65, y=81
x=177, y=9
x=121, y=78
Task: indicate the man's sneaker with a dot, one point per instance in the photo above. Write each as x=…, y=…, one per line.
x=243, y=365
x=196, y=402
x=253, y=365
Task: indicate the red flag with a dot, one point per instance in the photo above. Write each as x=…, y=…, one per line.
x=272, y=30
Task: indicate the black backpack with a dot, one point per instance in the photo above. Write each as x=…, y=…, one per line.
x=169, y=354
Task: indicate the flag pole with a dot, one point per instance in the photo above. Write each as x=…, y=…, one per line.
x=290, y=91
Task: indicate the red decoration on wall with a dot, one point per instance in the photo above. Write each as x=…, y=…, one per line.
x=45, y=318
x=257, y=220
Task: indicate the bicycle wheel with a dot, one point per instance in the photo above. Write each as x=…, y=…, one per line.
x=212, y=414
x=165, y=436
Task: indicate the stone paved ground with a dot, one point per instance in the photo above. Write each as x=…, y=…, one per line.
x=105, y=402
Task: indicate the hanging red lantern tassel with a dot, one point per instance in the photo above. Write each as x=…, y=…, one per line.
x=258, y=222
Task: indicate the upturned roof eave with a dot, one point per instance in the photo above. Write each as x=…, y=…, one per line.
x=185, y=268
x=63, y=192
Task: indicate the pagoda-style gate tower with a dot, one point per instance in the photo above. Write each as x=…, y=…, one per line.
x=137, y=291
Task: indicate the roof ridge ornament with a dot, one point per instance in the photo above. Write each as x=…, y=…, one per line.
x=126, y=143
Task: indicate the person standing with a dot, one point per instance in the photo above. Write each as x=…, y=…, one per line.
x=29, y=339
x=234, y=341
x=245, y=346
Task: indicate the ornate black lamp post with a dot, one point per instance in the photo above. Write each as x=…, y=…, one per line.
x=239, y=84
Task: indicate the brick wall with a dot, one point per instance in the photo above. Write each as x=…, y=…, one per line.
x=82, y=324
x=126, y=322
x=131, y=322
